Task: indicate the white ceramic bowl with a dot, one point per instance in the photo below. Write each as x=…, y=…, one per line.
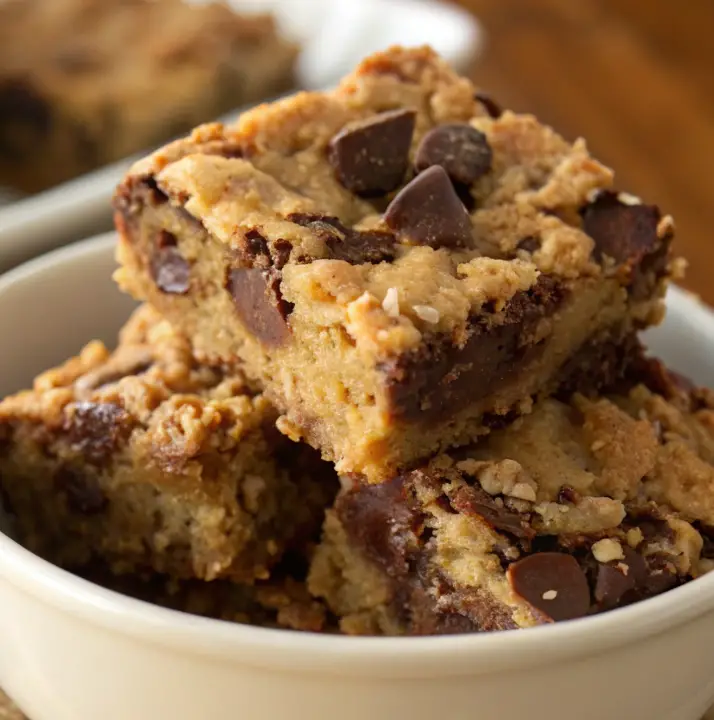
x=72, y=651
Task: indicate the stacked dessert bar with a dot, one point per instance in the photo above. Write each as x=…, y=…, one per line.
x=443, y=299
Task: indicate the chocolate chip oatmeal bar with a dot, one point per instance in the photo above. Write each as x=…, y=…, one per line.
x=146, y=459
x=400, y=264
x=86, y=82
x=577, y=508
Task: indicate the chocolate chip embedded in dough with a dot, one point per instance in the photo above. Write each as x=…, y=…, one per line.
x=373, y=246
x=429, y=212
x=553, y=583
x=460, y=149
x=613, y=582
x=623, y=231
x=168, y=267
x=84, y=496
x=353, y=246
x=476, y=501
x=259, y=304
x=529, y=244
x=96, y=430
x=489, y=104
x=370, y=157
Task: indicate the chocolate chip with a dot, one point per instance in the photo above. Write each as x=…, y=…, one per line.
x=168, y=267
x=153, y=193
x=489, y=104
x=656, y=575
x=626, y=233
x=353, y=246
x=568, y=495
x=259, y=303
x=476, y=501
x=96, y=430
x=364, y=247
x=370, y=157
x=529, y=244
x=84, y=496
x=379, y=520
x=552, y=583
x=428, y=212
x=282, y=249
x=256, y=243
x=612, y=585
x=460, y=149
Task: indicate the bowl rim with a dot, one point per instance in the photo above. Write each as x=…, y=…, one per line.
x=392, y=657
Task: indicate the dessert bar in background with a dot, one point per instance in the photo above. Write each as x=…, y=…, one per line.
x=87, y=82
x=402, y=265
x=580, y=507
x=146, y=460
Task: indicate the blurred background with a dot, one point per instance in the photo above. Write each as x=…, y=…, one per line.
x=634, y=77
x=86, y=83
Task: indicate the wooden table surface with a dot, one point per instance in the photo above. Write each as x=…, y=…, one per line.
x=636, y=79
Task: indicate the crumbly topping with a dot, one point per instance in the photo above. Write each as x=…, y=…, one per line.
x=153, y=382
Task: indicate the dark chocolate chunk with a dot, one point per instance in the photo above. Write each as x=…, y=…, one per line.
x=257, y=252
x=440, y=378
x=370, y=157
x=153, y=193
x=653, y=576
x=626, y=233
x=259, y=303
x=489, y=104
x=353, y=246
x=460, y=149
x=429, y=212
x=373, y=246
x=84, y=496
x=613, y=584
x=568, y=495
x=476, y=501
x=256, y=243
x=380, y=520
x=552, y=583
x=169, y=269
x=281, y=253
x=529, y=244
x=96, y=430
